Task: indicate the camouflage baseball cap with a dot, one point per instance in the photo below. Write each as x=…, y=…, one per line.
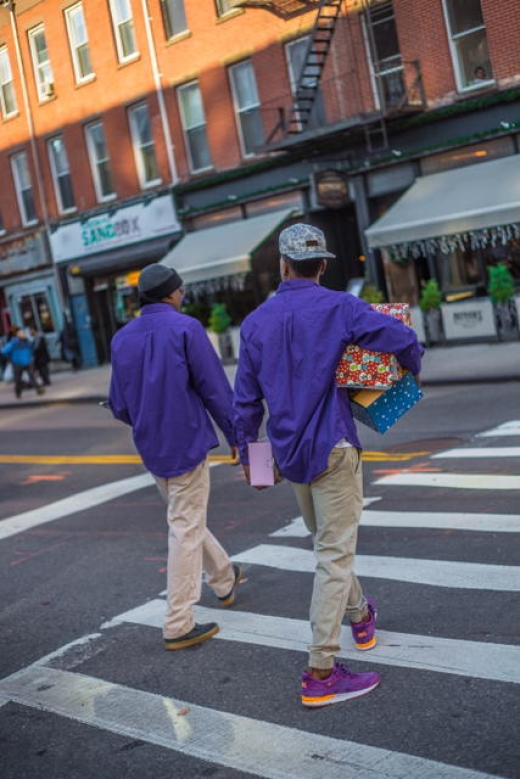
x=303, y=242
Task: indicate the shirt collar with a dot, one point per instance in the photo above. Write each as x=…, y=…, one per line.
x=295, y=284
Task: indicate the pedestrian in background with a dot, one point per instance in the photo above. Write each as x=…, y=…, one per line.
x=68, y=341
x=41, y=356
x=19, y=352
x=166, y=380
x=289, y=351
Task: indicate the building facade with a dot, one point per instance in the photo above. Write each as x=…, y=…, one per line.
x=126, y=126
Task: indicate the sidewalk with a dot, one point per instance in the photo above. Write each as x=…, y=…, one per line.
x=494, y=362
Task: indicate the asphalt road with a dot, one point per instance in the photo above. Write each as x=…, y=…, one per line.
x=86, y=689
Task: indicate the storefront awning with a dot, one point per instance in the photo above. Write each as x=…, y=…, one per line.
x=123, y=259
x=453, y=203
x=223, y=250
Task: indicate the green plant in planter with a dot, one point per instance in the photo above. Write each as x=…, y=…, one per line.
x=219, y=319
x=431, y=296
x=501, y=287
x=371, y=294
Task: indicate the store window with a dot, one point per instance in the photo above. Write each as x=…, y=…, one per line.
x=36, y=313
x=174, y=17
x=7, y=94
x=123, y=24
x=24, y=188
x=247, y=107
x=385, y=53
x=144, y=147
x=43, y=74
x=126, y=298
x=296, y=54
x=61, y=177
x=79, y=43
x=194, y=125
x=469, y=46
x=100, y=162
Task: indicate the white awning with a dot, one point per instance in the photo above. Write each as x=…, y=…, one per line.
x=453, y=202
x=223, y=250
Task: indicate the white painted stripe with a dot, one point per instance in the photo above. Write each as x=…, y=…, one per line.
x=78, y=502
x=499, y=662
x=492, y=451
x=508, y=428
x=243, y=744
x=493, y=523
x=438, y=573
x=459, y=481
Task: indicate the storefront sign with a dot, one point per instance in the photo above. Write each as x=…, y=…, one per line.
x=23, y=255
x=125, y=225
x=331, y=189
x=471, y=319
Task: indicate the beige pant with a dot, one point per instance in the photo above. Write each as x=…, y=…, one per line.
x=331, y=506
x=191, y=548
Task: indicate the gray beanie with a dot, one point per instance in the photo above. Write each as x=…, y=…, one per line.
x=157, y=282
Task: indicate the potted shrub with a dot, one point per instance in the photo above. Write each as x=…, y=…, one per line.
x=219, y=322
x=372, y=294
x=501, y=290
x=430, y=304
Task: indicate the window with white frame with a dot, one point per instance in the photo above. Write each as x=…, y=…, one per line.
x=123, y=23
x=247, y=106
x=469, y=46
x=174, y=17
x=144, y=147
x=296, y=53
x=2, y=226
x=79, y=42
x=7, y=94
x=99, y=161
x=194, y=125
x=24, y=188
x=385, y=52
x=61, y=174
x=224, y=7
x=41, y=63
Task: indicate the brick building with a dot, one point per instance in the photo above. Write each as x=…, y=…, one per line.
x=137, y=130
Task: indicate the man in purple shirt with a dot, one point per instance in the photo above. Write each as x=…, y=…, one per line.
x=290, y=348
x=166, y=377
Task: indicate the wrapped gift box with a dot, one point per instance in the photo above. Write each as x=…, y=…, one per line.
x=380, y=409
x=360, y=368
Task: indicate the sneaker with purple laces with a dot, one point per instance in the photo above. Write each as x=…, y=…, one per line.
x=341, y=685
x=364, y=633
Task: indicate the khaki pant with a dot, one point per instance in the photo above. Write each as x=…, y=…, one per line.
x=331, y=506
x=191, y=549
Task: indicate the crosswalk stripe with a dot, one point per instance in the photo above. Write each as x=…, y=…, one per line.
x=466, y=481
x=506, y=429
x=438, y=573
x=492, y=451
x=499, y=662
x=244, y=744
x=493, y=523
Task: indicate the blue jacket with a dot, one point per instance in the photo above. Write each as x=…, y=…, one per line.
x=166, y=377
x=289, y=350
x=19, y=351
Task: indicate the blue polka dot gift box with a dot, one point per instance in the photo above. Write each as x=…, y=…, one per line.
x=380, y=409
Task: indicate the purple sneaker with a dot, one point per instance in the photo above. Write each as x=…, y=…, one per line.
x=341, y=685
x=364, y=633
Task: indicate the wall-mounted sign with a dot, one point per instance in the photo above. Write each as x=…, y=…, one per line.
x=471, y=319
x=23, y=254
x=116, y=227
x=331, y=188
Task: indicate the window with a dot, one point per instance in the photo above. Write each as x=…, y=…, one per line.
x=78, y=40
x=194, y=124
x=2, y=226
x=468, y=43
x=36, y=313
x=385, y=53
x=100, y=162
x=174, y=17
x=123, y=22
x=144, y=148
x=296, y=53
x=224, y=7
x=24, y=190
x=247, y=106
x=7, y=95
x=41, y=63
x=61, y=174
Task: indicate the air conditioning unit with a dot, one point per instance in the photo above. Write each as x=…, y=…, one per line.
x=48, y=89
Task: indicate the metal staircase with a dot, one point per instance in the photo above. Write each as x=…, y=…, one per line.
x=308, y=83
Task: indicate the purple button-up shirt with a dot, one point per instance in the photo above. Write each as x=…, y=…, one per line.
x=290, y=348
x=166, y=377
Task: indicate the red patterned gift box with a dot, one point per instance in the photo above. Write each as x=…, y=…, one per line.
x=361, y=368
